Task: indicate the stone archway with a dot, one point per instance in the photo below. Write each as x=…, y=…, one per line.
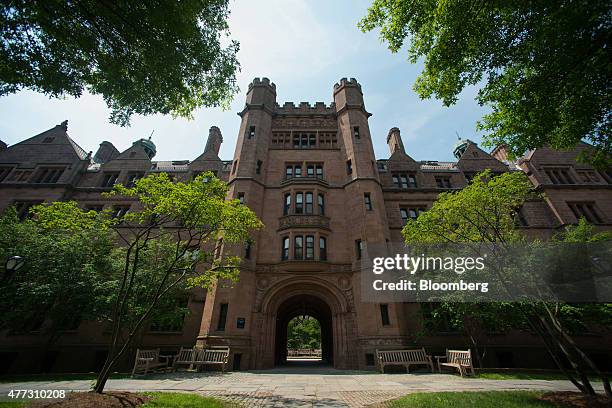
x=286, y=298
x=303, y=305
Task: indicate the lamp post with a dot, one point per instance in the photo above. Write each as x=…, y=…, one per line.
x=12, y=265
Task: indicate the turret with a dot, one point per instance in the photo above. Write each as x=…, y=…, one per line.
x=147, y=145
x=460, y=147
x=394, y=140
x=347, y=93
x=213, y=144
x=262, y=92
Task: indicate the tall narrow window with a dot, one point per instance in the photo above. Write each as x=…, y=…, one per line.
x=384, y=315
x=4, y=171
x=586, y=211
x=289, y=172
x=356, y=132
x=349, y=167
x=298, y=247
x=323, y=248
x=109, y=179
x=299, y=203
x=368, y=201
x=241, y=198
x=404, y=181
x=222, y=317
x=404, y=215
x=412, y=180
x=321, y=202
x=258, y=168
x=287, y=205
x=309, y=247
x=319, y=171
x=285, y=249
x=234, y=166
x=310, y=171
x=309, y=203
x=358, y=248
x=251, y=132
x=298, y=171
x=247, y=251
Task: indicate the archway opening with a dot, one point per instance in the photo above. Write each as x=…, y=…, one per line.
x=303, y=308
x=304, y=339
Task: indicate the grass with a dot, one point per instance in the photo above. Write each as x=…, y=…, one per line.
x=183, y=400
x=159, y=400
x=13, y=404
x=506, y=399
x=55, y=377
x=519, y=375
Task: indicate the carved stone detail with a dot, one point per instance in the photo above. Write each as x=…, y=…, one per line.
x=314, y=221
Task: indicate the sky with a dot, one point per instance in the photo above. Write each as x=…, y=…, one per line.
x=304, y=47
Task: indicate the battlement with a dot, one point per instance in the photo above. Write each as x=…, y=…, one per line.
x=305, y=108
x=347, y=82
x=262, y=82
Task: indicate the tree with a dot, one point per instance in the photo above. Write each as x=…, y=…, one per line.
x=63, y=279
x=543, y=66
x=143, y=57
x=304, y=333
x=486, y=212
x=174, y=237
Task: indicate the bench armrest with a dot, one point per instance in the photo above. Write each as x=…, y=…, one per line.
x=438, y=358
x=145, y=359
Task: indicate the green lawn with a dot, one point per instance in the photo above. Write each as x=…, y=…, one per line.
x=518, y=375
x=159, y=400
x=505, y=399
x=13, y=404
x=183, y=400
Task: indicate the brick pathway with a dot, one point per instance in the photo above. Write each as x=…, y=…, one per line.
x=302, y=387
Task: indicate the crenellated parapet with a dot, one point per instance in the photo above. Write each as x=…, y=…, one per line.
x=262, y=82
x=344, y=82
x=305, y=108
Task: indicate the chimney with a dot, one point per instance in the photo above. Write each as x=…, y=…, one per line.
x=394, y=140
x=105, y=153
x=214, y=140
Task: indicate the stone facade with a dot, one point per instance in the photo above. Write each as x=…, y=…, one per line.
x=310, y=174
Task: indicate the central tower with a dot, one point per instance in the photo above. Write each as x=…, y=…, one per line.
x=309, y=173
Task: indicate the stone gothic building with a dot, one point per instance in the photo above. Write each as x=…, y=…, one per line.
x=310, y=174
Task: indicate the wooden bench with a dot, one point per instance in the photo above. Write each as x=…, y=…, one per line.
x=194, y=357
x=149, y=360
x=403, y=357
x=457, y=359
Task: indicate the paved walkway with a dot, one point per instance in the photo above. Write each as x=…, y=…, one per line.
x=302, y=387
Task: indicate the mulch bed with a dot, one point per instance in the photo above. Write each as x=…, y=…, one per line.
x=92, y=399
x=577, y=400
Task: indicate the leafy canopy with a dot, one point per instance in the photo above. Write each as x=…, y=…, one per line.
x=543, y=66
x=484, y=211
x=67, y=275
x=143, y=57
